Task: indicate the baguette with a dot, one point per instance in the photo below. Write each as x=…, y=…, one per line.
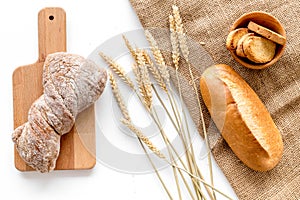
x=234, y=36
x=241, y=117
x=267, y=33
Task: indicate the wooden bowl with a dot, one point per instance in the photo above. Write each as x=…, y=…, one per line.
x=266, y=20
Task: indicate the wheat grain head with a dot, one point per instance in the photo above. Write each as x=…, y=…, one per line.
x=130, y=48
x=117, y=69
x=118, y=97
x=159, y=59
x=154, y=71
x=180, y=33
x=143, y=138
x=174, y=42
x=145, y=82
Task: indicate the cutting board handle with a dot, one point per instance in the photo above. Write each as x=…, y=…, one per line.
x=51, y=32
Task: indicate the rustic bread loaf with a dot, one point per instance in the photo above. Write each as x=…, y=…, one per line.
x=71, y=84
x=258, y=49
x=234, y=36
x=241, y=117
x=267, y=33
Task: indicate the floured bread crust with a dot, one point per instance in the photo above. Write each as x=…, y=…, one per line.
x=71, y=84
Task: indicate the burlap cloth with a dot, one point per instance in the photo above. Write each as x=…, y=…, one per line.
x=278, y=86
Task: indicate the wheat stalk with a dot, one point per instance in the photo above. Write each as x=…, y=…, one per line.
x=156, y=171
x=159, y=59
x=117, y=69
x=174, y=42
x=175, y=57
x=155, y=72
x=143, y=138
x=144, y=80
x=118, y=96
x=161, y=75
x=153, y=112
x=129, y=47
x=141, y=61
x=137, y=74
x=185, y=51
x=202, y=181
x=142, y=91
x=138, y=79
x=127, y=121
x=179, y=131
x=180, y=33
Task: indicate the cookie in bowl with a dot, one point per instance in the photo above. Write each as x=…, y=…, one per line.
x=262, y=43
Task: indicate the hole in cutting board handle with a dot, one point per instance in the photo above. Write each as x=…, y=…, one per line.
x=51, y=17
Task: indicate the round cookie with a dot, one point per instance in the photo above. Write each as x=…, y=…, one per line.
x=258, y=49
x=234, y=36
x=239, y=49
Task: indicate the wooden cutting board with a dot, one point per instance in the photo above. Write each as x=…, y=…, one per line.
x=77, y=151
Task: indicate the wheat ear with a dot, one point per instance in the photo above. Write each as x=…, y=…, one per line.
x=180, y=33
x=144, y=80
x=143, y=138
x=129, y=47
x=159, y=59
x=142, y=91
x=118, y=97
x=155, y=71
x=137, y=74
x=174, y=42
x=117, y=69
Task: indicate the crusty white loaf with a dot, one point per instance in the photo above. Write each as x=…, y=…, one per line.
x=241, y=117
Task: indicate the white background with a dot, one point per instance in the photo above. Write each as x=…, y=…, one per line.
x=89, y=23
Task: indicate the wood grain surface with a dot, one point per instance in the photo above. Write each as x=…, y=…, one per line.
x=27, y=87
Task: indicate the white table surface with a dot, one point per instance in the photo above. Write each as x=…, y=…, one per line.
x=89, y=23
